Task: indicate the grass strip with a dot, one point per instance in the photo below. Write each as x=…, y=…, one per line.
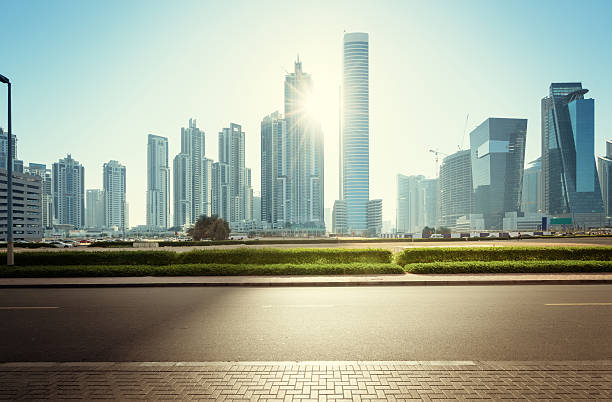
x=53, y=271
x=509, y=267
x=457, y=254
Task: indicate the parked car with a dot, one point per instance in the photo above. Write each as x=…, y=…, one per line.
x=59, y=244
x=437, y=236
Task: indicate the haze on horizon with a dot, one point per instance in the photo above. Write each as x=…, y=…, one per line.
x=93, y=80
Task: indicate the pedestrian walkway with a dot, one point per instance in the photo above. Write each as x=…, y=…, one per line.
x=317, y=381
x=307, y=280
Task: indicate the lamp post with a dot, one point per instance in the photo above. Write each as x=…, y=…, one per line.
x=9, y=188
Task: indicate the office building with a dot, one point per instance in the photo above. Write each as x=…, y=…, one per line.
x=158, y=182
x=455, y=185
x=94, y=209
x=355, y=151
x=257, y=208
x=339, y=217
x=114, y=185
x=430, y=190
x=570, y=183
x=374, y=217
x=410, y=204
x=69, y=192
x=192, y=173
x=304, y=146
x=4, y=148
x=604, y=167
x=46, y=184
x=498, y=156
x=275, y=169
x=27, y=217
x=531, y=197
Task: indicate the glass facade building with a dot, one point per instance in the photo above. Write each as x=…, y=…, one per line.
x=497, y=148
x=531, y=198
x=355, y=175
x=569, y=178
x=604, y=167
x=455, y=185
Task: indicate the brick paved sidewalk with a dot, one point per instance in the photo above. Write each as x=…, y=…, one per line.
x=308, y=380
x=307, y=280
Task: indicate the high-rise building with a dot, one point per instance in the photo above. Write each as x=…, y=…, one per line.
x=304, y=144
x=604, y=167
x=410, y=204
x=158, y=182
x=355, y=152
x=531, y=197
x=41, y=170
x=231, y=179
x=114, y=184
x=431, y=192
x=498, y=156
x=339, y=217
x=94, y=208
x=455, y=184
x=374, y=217
x=191, y=177
x=27, y=220
x=257, y=208
x=4, y=148
x=275, y=169
x=69, y=192
x=570, y=183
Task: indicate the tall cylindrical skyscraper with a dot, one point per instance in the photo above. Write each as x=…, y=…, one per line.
x=356, y=130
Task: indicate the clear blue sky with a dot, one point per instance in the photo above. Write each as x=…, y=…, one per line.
x=93, y=78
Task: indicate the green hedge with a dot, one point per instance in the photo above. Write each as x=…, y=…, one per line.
x=197, y=270
x=112, y=244
x=233, y=256
x=442, y=254
x=500, y=267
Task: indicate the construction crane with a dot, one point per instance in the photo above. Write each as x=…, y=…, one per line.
x=437, y=159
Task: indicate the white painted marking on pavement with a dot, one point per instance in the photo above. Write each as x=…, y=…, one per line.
x=579, y=304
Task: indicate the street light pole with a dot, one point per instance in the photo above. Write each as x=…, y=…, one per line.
x=10, y=256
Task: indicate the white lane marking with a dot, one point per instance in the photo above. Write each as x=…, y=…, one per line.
x=299, y=305
x=579, y=304
x=27, y=308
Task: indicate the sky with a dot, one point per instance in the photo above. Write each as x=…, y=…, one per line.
x=93, y=78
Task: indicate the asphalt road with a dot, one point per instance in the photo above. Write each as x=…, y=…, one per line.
x=306, y=324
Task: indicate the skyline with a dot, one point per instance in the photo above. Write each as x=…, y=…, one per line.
x=89, y=66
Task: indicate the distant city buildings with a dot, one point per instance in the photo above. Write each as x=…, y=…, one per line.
x=417, y=203
x=94, y=208
x=158, y=182
x=604, y=167
x=570, y=182
x=374, y=216
x=4, y=148
x=114, y=187
x=339, y=225
x=45, y=174
x=497, y=156
x=69, y=192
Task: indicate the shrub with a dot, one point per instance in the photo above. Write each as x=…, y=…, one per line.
x=112, y=244
x=233, y=256
x=198, y=269
x=431, y=254
x=498, y=267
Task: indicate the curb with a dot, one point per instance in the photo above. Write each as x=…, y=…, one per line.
x=492, y=282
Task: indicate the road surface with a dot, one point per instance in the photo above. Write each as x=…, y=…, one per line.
x=488, y=323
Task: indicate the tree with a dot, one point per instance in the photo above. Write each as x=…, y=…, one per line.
x=427, y=230
x=443, y=230
x=209, y=227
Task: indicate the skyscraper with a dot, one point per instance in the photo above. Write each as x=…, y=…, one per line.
x=355, y=156
x=304, y=145
x=604, y=167
x=94, y=208
x=498, y=156
x=231, y=179
x=570, y=183
x=4, y=148
x=455, y=184
x=69, y=192
x=158, y=182
x=41, y=170
x=114, y=185
x=410, y=204
x=191, y=177
x=531, y=197
x=431, y=191
x=275, y=186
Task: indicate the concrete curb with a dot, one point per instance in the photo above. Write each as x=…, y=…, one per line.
x=486, y=282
